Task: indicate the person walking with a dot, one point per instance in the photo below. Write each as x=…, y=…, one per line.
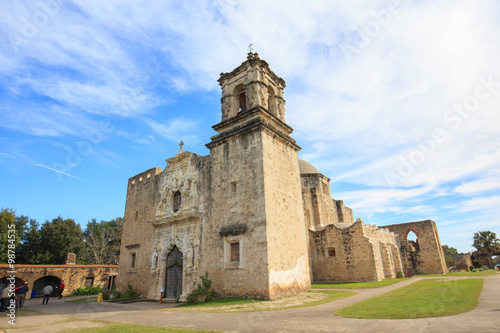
x=61, y=289
x=46, y=294
x=21, y=295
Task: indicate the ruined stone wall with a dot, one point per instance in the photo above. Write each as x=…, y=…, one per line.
x=74, y=276
x=483, y=259
x=138, y=234
x=288, y=258
x=354, y=258
x=362, y=253
x=461, y=261
x=428, y=257
x=237, y=215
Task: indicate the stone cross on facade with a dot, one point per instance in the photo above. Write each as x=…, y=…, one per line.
x=180, y=145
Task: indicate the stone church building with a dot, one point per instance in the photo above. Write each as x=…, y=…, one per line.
x=260, y=221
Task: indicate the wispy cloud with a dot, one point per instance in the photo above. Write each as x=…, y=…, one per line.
x=477, y=186
x=478, y=204
x=176, y=130
x=61, y=172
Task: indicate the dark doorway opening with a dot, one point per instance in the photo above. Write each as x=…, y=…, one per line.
x=39, y=284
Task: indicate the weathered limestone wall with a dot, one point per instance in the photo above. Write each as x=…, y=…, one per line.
x=288, y=258
x=237, y=214
x=362, y=253
x=74, y=276
x=428, y=257
x=138, y=234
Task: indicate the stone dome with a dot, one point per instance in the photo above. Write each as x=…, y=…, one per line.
x=306, y=167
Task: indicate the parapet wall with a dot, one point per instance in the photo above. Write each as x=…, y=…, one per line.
x=138, y=234
x=74, y=276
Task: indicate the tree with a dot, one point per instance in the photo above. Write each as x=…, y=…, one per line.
x=12, y=231
x=58, y=238
x=449, y=250
x=487, y=242
x=29, y=249
x=448, y=255
x=102, y=241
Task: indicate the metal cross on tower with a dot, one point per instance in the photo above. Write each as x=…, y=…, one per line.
x=250, y=49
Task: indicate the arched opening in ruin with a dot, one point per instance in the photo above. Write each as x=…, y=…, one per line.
x=44, y=281
x=412, y=239
x=240, y=93
x=173, y=276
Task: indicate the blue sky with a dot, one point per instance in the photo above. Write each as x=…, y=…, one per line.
x=396, y=101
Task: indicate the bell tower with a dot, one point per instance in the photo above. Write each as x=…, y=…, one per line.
x=256, y=196
x=250, y=86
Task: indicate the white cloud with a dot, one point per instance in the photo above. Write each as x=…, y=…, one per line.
x=479, y=204
x=478, y=186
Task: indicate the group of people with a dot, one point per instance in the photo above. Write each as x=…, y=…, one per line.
x=19, y=295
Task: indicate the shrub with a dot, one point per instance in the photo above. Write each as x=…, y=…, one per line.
x=131, y=291
x=110, y=294
x=399, y=274
x=203, y=292
x=88, y=290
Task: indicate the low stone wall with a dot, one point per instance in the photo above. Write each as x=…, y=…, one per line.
x=74, y=276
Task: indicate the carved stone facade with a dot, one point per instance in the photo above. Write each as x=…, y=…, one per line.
x=260, y=221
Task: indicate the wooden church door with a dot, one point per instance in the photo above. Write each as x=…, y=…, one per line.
x=173, y=279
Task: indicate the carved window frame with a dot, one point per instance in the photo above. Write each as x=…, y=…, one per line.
x=177, y=201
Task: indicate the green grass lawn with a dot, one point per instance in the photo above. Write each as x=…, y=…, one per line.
x=130, y=328
x=477, y=273
x=355, y=285
x=422, y=299
x=223, y=302
x=84, y=299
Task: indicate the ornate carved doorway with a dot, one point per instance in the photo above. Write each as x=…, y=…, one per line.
x=173, y=278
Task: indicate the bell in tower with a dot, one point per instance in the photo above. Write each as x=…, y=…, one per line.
x=252, y=86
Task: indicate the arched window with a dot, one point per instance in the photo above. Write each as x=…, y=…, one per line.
x=240, y=93
x=177, y=201
x=271, y=101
